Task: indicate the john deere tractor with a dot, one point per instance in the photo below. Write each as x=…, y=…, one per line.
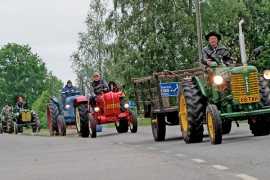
x=222, y=95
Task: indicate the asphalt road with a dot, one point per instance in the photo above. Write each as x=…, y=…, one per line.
x=134, y=156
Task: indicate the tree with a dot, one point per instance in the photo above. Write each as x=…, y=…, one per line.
x=40, y=106
x=22, y=73
x=91, y=54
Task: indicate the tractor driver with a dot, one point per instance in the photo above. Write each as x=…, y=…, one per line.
x=97, y=86
x=21, y=104
x=213, y=47
x=69, y=90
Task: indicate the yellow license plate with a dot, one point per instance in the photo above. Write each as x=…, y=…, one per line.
x=26, y=116
x=249, y=99
x=113, y=105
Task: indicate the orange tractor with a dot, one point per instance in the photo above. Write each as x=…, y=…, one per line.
x=109, y=107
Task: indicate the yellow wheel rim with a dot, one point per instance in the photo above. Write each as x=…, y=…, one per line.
x=183, y=113
x=210, y=125
x=78, y=120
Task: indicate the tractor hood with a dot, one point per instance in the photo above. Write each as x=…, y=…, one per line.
x=243, y=70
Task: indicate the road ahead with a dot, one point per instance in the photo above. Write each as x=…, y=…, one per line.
x=135, y=156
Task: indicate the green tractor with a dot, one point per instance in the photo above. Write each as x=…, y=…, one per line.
x=222, y=95
x=7, y=124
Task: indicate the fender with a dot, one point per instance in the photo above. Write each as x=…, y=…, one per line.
x=80, y=99
x=55, y=100
x=200, y=84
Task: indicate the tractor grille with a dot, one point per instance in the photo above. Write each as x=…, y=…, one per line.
x=238, y=85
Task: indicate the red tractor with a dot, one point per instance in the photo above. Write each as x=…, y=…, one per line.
x=109, y=107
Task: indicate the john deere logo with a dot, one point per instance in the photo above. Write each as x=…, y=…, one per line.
x=245, y=69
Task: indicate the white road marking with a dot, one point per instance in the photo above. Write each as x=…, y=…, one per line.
x=166, y=151
x=246, y=177
x=151, y=148
x=220, y=167
x=198, y=160
x=180, y=155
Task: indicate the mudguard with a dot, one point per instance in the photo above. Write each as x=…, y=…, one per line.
x=200, y=84
x=55, y=100
x=80, y=99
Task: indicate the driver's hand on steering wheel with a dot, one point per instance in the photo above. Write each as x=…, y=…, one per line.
x=208, y=61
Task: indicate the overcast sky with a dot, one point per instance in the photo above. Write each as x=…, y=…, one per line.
x=49, y=27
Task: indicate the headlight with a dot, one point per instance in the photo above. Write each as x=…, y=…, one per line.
x=96, y=109
x=17, y=113
x=218, y=79
x=67, y=106
x=126, y=106
x=266, y=74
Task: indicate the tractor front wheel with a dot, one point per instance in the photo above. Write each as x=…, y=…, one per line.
x=82, y=120
x=92, y=127
x=133, y=125
x=122, y=125
x=61, y=125
x=226, y=127
x=15, y=126
x=213, y=124
x=158, y=126
x=1, y=128
x=191, y=109
x=258, y=126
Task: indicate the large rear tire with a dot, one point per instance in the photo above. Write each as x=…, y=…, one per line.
x=191, y=109
x=61, y=125
x=133, y=125
x=52, y=114
x=92, y=127
x=214, y=124
x=82, y=120
x=158, y=125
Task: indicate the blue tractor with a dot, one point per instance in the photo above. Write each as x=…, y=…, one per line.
x=73, y=111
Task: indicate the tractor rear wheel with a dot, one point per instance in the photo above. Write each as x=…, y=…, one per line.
x=264, y=92
x=52, y=114
x=191, y=109
x=61, y=125
x=92, y=127
x=213, y=124
x=226, y=127
x=133, y=125
x=82, y=120
x=158, y=125
x=122, y=125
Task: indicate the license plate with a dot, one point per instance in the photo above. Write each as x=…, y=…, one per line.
x=113, y=105
x=249, y=99
x=26, y=116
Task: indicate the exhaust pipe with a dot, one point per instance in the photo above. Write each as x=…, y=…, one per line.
x=242, y=44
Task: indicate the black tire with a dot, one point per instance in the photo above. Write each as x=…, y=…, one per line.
x=92, y=127
x=1, y=128
x=52, y=114
x=15, y=126
x=9, y=127
x=82, y=121
x=122, y=126
x=214, y=124
x=133, y=125
x=258, y=126
x=191, y=108
x=61, y=125
x=226, y=127
x=20, y=129
x=158, y=126
x=264, y=92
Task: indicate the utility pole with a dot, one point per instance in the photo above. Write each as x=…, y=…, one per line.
x=199, y=29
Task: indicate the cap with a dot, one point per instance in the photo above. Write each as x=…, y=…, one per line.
x=69, y=81
x=96, y=74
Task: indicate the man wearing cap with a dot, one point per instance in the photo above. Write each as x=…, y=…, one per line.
x=69, y=90
x=98, y=85
x=213, y=48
